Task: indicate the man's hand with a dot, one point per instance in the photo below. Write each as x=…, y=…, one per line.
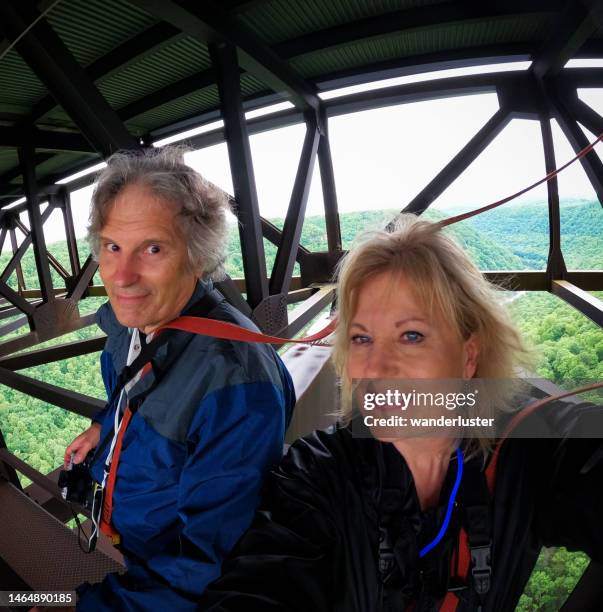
x=83, y=444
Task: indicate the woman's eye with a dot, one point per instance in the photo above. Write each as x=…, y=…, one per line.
x=359, y=339
x=153, y=249
x=413, y=337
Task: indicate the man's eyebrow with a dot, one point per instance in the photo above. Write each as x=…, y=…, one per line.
x=143, y=243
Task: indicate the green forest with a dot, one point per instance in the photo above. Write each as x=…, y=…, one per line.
x=568, y=348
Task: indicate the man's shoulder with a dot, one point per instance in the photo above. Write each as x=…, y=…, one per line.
x=240, y=361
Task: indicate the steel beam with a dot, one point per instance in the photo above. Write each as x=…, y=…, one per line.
x=26, y=156
x=401, y=22
x=329, y=193
x=119, y=58
x=14, y=298
x=13, y=326
x=54, y=353
x=16, y=258
x=209, y=22
x=19, y=270
x=7, y=471
x=582, y=301
x=43, y=139
x=592, y=162
x=83, y=279
x=588, y=117
x=555, y=267
x=573, y=28
x=286, y=253
x=241, y=167
x=459, y=163
x=32, y=338
x=63, y=398
x=307, y=310
x=62, y=200
x=170, y=92
x=230, y=290
x=53, y=64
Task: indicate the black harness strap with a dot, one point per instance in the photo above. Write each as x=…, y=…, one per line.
x=474, y=497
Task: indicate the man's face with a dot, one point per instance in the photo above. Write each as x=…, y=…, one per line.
x=143, y=260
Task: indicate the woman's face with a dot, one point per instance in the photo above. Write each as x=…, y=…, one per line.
x=392, y=336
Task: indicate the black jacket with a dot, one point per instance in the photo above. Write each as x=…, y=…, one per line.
x=315, y=542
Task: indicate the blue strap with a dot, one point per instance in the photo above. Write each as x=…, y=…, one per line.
x=455, y=489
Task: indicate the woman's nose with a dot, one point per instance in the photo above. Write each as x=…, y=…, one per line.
x=381, y=363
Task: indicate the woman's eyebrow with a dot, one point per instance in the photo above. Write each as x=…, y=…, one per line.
x=404, y=321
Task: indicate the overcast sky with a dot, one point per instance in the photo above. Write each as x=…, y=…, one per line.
x=382, y=158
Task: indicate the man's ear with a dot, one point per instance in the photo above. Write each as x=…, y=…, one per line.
x=470, y=356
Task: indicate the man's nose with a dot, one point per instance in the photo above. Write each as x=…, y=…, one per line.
x=126, y=271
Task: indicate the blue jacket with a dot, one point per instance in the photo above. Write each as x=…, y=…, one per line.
x=192, y=462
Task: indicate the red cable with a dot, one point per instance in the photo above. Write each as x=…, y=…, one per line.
x=548, y=177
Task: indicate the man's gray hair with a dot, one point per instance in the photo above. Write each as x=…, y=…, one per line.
x=202, y=207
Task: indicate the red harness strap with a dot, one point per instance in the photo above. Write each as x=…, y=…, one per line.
x=105, y=523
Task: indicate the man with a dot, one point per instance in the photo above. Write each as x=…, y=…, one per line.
x=186, y=464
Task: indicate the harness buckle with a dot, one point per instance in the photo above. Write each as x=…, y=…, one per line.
x=386, y=554
x=481, y=570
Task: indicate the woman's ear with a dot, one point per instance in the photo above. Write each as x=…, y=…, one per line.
x=470, y=356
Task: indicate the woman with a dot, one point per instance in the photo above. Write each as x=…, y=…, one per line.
x=355, y=523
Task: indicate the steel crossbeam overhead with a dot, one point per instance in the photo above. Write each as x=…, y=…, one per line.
x=459, y=163
x=43, y=139
x=400, y=22
x=575, y=25
x=188, y=85
x=241, y=166
x=54, y=65
x=151, y=39
x=282, y=270
x=209, y=22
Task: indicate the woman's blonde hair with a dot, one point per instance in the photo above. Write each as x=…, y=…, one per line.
x=444, y=278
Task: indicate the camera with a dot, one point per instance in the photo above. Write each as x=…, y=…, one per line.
x=76, y=482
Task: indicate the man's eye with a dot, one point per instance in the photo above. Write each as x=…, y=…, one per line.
x=153, y=249
x=359, y=339
x=413, y=337
x=112, y=247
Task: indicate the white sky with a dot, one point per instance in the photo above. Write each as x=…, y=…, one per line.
x=382, y=158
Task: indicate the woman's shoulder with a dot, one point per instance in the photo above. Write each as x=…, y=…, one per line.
x=326, y=459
